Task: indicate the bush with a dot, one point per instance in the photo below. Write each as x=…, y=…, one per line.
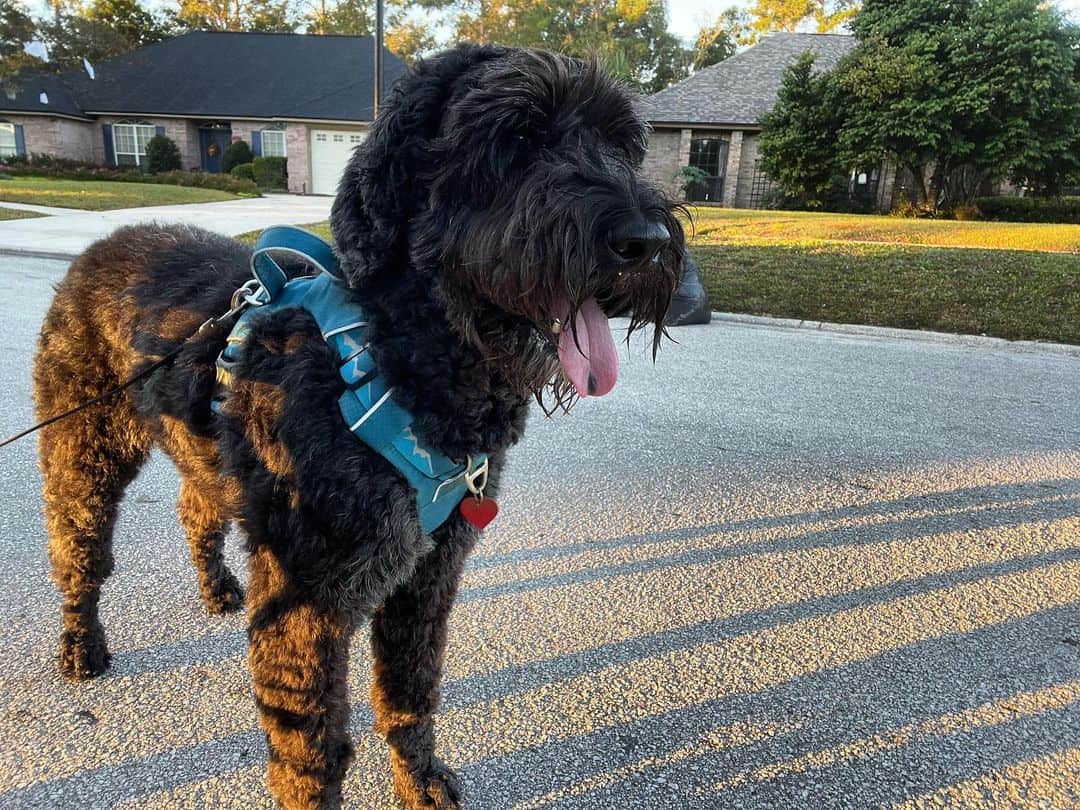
x=73, y=170
x=245, y=171
x=271, y=173
x=237, y=153
x=162, y=155
x=1030, y=209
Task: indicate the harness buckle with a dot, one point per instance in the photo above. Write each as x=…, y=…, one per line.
x=479, y=474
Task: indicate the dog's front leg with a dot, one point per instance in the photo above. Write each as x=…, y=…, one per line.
x=408, y=639
x=298, y=653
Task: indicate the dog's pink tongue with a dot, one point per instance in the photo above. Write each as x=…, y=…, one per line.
x=594, y=367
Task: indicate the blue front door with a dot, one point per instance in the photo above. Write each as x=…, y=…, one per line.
x=213, y=141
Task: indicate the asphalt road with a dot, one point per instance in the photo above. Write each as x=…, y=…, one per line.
x=778, y=569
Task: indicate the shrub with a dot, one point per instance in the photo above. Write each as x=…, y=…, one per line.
x=238, y=152
x=73, y=170
x=245, y=171
x=1030, y=209
x=271, y=172
x=162, y=155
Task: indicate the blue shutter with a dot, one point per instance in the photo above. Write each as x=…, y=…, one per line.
x=110, y=156
x=159, y=131
x=20, y=140
x=256, y=142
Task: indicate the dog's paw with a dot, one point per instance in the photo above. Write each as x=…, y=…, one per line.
x=435, y=787
x=83, y=655
x=224, y=595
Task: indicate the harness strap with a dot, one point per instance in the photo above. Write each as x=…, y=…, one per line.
x=367, y=404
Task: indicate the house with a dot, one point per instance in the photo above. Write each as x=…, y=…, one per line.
x=307, y=98
x=712, y=120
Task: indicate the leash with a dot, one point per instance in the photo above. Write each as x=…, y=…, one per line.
x=243, y=297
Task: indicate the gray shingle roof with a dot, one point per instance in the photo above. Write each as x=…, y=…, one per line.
x=224, y=74
x=743, y=87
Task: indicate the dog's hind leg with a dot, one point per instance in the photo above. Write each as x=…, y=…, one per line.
x=87, y=461
x=203, y=514
x=408, y=640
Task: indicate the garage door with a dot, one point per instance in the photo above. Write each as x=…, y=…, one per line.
x=330, y=151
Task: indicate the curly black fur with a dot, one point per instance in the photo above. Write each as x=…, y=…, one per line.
x=481, y=207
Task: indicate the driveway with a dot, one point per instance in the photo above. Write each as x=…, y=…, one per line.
x=778, y=569
x=69, y=232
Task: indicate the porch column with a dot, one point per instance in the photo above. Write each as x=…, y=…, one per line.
x=731, y=171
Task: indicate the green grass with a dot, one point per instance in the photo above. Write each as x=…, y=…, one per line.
x=102, y=195
x=1009, y=294
x=879, y=271
x=14, y=213
x=714, y=226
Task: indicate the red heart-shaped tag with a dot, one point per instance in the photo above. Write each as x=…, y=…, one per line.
x=479, y=513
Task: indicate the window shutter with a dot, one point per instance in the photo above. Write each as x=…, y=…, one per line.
x=20, y=140
x=159, y=131
x=110, y=156
x=256, y=142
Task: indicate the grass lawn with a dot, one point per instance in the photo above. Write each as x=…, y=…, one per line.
x=1010, y=280
x=741, y=226
x=102, y=195
x=14, y=213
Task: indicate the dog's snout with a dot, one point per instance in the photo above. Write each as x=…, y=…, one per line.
x=638, y=240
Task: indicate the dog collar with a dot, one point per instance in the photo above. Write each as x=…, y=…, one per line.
x=367, y=405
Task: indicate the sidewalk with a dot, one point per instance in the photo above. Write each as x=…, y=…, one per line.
x=67, y=232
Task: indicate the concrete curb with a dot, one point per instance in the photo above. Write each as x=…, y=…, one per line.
x=37, y=254
x=887, y=332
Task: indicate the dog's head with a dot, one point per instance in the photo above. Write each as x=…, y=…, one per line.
x=510, y=176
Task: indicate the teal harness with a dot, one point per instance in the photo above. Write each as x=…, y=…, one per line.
x=367, y=406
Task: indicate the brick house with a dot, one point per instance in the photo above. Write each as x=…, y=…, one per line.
x=712, y=121
x=307, y=98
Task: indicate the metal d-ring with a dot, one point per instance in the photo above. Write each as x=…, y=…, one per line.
x=480, y=473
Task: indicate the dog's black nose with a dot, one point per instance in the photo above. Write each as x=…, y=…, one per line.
x=638, y=240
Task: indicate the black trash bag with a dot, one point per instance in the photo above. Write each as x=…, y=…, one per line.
x=690, y=304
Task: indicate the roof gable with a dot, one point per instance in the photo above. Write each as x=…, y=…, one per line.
x=742, y=88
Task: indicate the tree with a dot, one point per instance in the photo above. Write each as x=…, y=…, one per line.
x=963, y=93
x=235, y=15
x=789, y=15
x=798, y=138
x=70, y=38
x=716, y=41
x=17, y=30
x=630, y=37
x=406, y=36
x=130, y=20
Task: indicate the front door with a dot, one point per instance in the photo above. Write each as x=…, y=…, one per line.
x=213, y=141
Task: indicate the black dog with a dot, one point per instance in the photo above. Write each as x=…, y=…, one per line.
x=486, y=226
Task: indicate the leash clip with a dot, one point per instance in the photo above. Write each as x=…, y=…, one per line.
x=479, y=474
x=247, y=295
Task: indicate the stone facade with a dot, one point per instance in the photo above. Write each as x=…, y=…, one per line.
x=296, y=148
x=668, y=151
x=63, y=137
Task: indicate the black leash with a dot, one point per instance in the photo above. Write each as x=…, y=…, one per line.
x=243, y=297
x=112, y=392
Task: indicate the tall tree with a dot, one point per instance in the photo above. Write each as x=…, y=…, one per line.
x=798, y=138
x=17, y=30
x=130, y=20
x=71, y=38
x=235, y=15
x=789, y=15
x=716, y=41
x=964, y=93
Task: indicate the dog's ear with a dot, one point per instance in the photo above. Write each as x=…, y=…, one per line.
x=379, y=192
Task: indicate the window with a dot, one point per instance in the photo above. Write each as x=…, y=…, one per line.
x=710, y=156
x=129, y=142
x=339, y=139
x=273, y=143
x=7, y=141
